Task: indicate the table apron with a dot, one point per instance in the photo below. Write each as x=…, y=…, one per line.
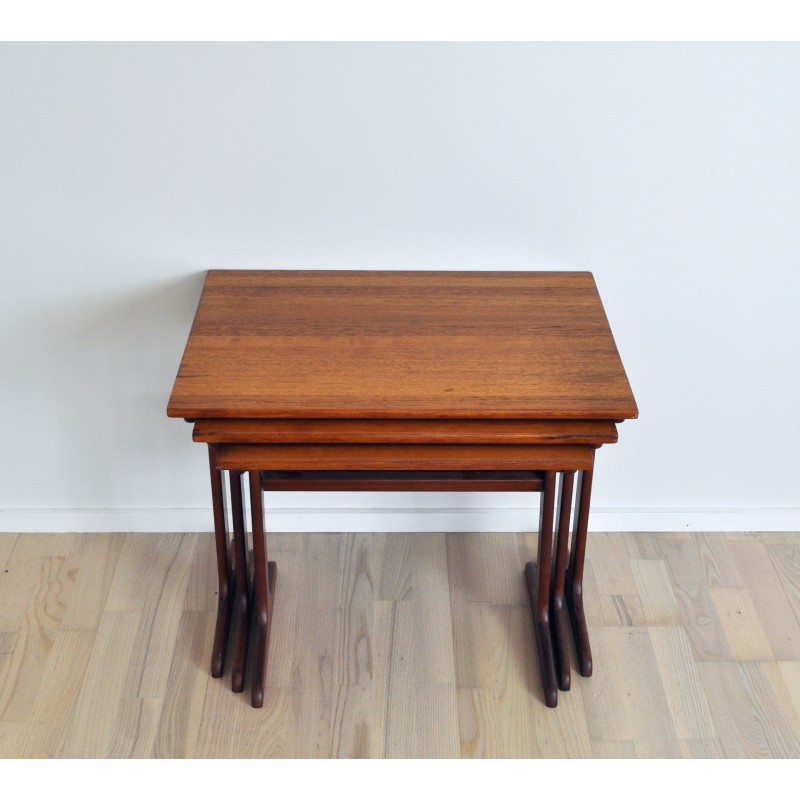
x=404, y=457
x=404, y=431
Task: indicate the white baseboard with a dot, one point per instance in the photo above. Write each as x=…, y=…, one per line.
x=400, y=519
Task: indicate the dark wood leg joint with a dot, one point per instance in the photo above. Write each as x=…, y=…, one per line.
x=224, y=571
x=239, y=623
x=537, y=578
x=558, y=604
x=264, y=577
x=575, y=574
x=543, y=638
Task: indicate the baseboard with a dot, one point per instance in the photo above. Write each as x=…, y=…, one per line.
x=399, y=519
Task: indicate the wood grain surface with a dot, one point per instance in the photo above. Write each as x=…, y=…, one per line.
x=339, y=344
x=398, y=645
x=404, y=431
x=403, y=457
x=402, y=481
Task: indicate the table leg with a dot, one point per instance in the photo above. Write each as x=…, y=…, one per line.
x=264, y=575
x=575, y=573
x=558, y=605
x=239, y=622
x=537, y=578
x=224, y=574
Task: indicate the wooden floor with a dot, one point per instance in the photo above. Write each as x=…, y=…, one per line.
x=400, y=645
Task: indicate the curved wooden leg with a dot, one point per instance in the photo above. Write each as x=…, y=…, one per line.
x=264, y=576
x=239, y=623
x=224, y=574
x=575, y=577
x=538, y=581
x=558, y=604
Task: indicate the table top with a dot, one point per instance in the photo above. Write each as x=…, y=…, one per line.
x=427, y=345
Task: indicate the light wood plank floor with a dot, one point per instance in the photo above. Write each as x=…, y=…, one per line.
x=400, y=645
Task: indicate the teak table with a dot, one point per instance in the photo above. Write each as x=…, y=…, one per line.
x=408, y=381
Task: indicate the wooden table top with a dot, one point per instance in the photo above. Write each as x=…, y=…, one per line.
x=427, y=345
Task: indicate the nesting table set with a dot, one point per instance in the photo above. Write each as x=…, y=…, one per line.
x=401, y=381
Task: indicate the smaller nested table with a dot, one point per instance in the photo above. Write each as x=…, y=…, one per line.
x=407, y=381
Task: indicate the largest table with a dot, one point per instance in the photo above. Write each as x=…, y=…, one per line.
x=352, y=380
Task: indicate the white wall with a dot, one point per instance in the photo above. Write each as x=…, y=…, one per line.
x=670, y=171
